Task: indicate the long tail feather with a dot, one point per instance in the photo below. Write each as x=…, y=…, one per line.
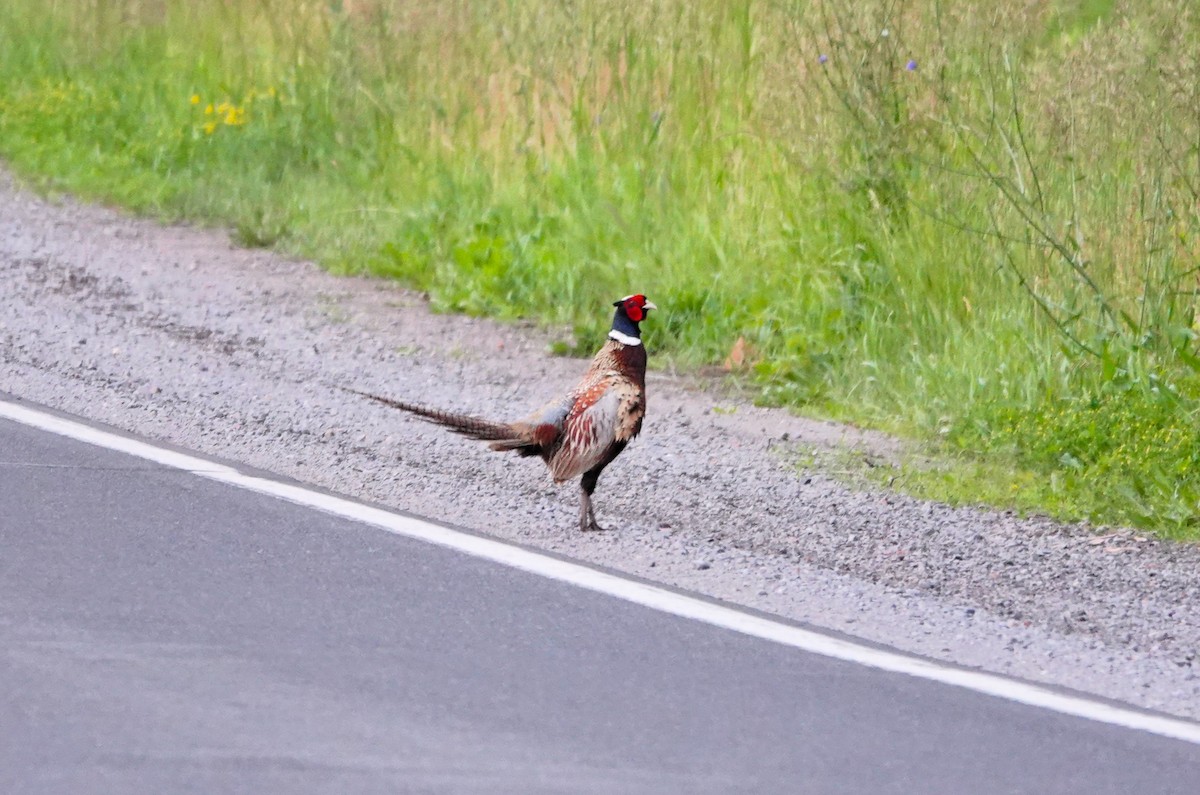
x=505, y=436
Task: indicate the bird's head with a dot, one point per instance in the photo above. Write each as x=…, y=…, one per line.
x=631, y=310
x=634, y=307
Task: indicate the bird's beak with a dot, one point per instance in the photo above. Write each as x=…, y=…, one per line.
x=649, y=305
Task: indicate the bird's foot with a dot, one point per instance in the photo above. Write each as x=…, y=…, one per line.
x=587, y=517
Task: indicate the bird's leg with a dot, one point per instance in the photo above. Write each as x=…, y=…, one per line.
x=587, y=518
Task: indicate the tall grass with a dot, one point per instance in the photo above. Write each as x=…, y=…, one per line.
x=975, y=225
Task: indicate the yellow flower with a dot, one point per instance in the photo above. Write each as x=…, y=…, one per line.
x=210, y=127
x=208, y=110
x=235, y=116
x=195, y=99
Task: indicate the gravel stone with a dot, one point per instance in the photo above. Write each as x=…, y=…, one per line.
x=175, y=334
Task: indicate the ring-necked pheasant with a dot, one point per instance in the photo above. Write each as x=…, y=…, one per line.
x=583, y=431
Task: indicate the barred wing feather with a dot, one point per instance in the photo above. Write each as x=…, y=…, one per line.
x=588, y=431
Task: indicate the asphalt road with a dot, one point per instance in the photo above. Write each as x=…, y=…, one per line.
x=161, y=632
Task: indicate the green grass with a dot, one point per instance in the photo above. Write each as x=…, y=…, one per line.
x=994, y=251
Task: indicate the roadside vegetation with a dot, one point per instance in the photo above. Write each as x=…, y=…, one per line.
x=977, y=225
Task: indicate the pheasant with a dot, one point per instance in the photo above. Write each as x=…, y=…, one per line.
x=581, y=432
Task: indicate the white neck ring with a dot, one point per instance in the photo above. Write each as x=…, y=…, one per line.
x=624, y=339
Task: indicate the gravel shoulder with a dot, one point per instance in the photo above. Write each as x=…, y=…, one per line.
x=173, y=333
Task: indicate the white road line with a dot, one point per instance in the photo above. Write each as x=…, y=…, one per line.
x=614, y=585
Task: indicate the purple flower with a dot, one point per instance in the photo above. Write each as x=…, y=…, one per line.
x=822, y=58
x=911, y=66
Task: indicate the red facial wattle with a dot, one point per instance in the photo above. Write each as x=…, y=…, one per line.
x=635, y=308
